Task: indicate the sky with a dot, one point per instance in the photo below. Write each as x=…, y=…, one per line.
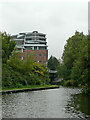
x=89, y=16
x=58, y=19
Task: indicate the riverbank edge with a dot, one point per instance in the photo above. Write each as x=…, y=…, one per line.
x=27, y=89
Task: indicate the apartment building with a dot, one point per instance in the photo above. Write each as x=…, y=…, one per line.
x=35, y=42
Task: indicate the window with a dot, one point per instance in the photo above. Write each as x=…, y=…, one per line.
x=45, y=48
x=44, y=55
x=35, y=48
x=42, y=48
x=44, y=61
x=40, y=55
x=28, y=48
x=19, y=48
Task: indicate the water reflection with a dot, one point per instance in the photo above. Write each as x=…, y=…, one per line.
x=80, y=104
x=39, y=104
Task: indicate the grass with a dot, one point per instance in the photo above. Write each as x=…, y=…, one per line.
x=30, y=87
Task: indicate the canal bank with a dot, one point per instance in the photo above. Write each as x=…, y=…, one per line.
x=29, y=89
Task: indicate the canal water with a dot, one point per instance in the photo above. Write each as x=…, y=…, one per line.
x=52, y=103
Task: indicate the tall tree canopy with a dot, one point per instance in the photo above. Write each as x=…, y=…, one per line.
x=80, y=66
x=75, y=61
x=72, y=51
x=52, y=63
x=7, y=47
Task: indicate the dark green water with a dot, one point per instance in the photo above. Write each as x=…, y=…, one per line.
x=80, y=104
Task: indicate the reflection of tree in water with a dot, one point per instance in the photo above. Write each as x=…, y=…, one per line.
x=79, y=105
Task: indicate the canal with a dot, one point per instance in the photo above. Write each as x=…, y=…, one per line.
x=52, y=103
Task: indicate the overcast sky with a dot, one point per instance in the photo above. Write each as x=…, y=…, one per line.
x=58, y=19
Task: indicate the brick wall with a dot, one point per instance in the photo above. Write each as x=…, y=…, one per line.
x=40, y=56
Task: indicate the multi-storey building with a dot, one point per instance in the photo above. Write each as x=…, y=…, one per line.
x=32, y=42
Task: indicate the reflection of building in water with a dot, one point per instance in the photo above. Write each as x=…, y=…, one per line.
x=32, y=42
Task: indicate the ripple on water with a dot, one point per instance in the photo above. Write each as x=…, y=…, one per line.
x=52, y=103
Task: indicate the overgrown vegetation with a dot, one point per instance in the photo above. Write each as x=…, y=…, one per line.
x=17, y=73
x=75, y=63
x=7, y=46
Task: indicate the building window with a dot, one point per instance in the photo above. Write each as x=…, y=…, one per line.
x=44, y=61
x=45, y=48
x=28, y=48
x=40, y=55
x=42, y=48
x=44, y=55
x=19, y=48
x=35, y=48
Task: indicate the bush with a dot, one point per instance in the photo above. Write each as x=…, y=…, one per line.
x=66, y=83
x=15, y=79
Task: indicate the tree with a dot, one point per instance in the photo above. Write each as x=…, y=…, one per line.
x=80, y=66
x=52, y=63
x=17, y=73
x=14, y=61
x=62, y=71
x=28, y=71
x=7, y=46
x=71, y=51
x=27, y=63
x=75, y=61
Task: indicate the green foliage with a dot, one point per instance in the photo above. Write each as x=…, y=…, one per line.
x=27, y=65
x=76, y=62
x=71, y=51
x=80, y=66
x=52, y=63
x=12, y=78
x=63, y=72
x=18, y=73
x=14, y=61
x=66, y=83
x=7, y=47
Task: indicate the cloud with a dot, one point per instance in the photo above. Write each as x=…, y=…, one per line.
x=58, y=19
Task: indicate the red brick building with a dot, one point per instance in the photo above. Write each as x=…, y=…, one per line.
x=32, y=42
